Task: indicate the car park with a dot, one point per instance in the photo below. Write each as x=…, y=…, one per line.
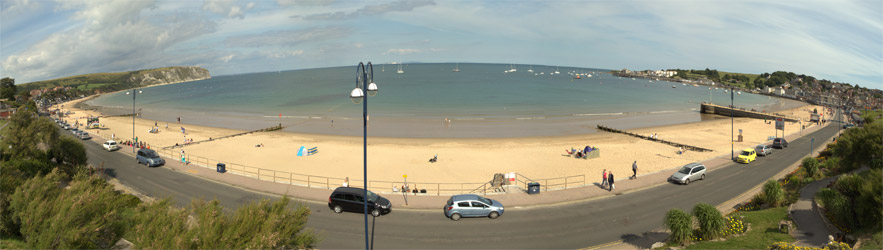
x=352, y=199
x=763, y=150
x=688, y=173
x=747, y=156
x=149, y=158
x=780, y=143
x=472, y=205
x=111, y=145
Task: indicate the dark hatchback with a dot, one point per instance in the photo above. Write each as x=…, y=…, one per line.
x=352, y=199
x=780, y=143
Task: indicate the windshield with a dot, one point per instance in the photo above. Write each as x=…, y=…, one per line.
x=684, y=170
x=372, y=196
x=746, y=153
x=759, y=148
x=485, y=200
x=151, y=154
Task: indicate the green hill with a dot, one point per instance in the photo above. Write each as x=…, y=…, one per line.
x=107, y=82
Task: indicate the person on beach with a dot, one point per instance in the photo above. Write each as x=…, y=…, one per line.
x=604, y=178
x=167, y=125
x=182, y=157
x=610, y=181
x=635, y=170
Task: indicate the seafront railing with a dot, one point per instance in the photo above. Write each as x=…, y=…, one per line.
x=324, y=182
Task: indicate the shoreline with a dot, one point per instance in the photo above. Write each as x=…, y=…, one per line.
x=461, y=160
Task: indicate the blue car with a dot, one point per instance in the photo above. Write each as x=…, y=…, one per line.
x=149, y=157
x=471, y=205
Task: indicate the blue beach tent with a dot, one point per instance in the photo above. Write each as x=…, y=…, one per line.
x=302, y=151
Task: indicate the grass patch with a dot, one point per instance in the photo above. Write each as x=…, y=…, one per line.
x=876, y=241
x=12, y=242
x=764, y=231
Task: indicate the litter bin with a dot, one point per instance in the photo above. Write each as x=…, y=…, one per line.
x=533, y=188
x=222, y=168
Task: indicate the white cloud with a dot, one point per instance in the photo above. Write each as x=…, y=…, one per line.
x=402, y=51
x=226, y=58
x=373, y=10
x=287, y=37
x=229, y=8
x=284, y=54
x=303, y=2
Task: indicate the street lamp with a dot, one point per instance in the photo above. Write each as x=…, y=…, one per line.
x=732, y=126
x=364, y=83
x=134, y=93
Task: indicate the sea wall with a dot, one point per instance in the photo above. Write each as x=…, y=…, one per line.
x=708, y=108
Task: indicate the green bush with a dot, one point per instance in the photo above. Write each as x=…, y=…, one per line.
x=680, y=224
x=711, y=222
x=832, y=164
x=861, y=146
x=69, y=151
x=84, y=215
x=837, y=206
x=811, y=165
x=773, y=194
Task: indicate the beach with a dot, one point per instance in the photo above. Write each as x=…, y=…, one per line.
x=460, y=160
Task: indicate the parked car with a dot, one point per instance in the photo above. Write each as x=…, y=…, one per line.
x=688, y=173
x=84, y=135
x=747, y=156
x=352, y=199
x=66, y=126
x=763, y=150
x=111, y=145
x=149, y=158
x=75, y=131
x=472, y=205
x=780, y=143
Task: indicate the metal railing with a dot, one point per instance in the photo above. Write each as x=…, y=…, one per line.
x=548, y=184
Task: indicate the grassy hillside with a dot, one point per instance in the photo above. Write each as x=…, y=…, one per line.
x=103, y=81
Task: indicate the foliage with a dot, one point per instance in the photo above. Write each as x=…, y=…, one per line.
x=734, y=226
x=836, y=206
x=680, y=224
x=864, y=194
x=711, y=222
x=69, y=151
x=764, y=231
x=861, y=146
x=781, y=245
x=27, y=135
x=84, y=215
x=7, y=88
x=811, y=165
x=204, y=225
x=773, y=193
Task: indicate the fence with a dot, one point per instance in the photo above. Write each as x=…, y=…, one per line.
x=314, y=181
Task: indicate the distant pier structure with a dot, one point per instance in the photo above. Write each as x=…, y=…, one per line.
x=709, y=108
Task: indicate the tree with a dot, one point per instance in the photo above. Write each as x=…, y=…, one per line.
x=69, y=151
x=680, y=224
x=27, y=136
x=811, y=165
x=861, y=146
x=7, y=88
x=711, y=222
x=773, y=193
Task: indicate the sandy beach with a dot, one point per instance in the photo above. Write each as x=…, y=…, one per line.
x=460, y=160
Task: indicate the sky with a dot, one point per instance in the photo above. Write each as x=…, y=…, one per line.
x=840, y=41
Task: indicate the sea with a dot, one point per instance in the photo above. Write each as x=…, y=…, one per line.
x=430, y=100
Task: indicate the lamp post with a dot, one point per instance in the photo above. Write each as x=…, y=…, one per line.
x=732, y=126
x=364, y=84
x=134, y=93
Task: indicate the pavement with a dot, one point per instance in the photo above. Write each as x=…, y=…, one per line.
x=812, y=229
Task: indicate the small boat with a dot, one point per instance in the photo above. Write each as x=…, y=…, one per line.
x=530, y=70
x=512, y=69
x=400, y=71
x=673, y=86
x=457, y=68
x=556, y=70
x=576, y=76
x=725, y=91
x=739, y=93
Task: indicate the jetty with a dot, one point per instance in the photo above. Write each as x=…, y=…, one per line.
x=709, y=108
x=273, y=128
x=675, y=144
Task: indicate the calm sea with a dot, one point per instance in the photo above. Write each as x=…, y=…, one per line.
x=481, y=101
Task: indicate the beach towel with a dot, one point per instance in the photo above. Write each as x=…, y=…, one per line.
x=301, y=151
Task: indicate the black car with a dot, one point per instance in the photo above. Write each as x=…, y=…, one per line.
x=780, y=143
x=351, y=199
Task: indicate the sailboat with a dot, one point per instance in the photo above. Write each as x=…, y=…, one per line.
x=457, y=68
x=383, y=67
x=556, y=70
x=530, y=70
x=512, y=69
x=401, y=71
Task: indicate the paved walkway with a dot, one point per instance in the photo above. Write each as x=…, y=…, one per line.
x=812, y=230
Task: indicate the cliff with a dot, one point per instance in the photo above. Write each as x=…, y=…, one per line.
x=107, y=82
x=168, y=75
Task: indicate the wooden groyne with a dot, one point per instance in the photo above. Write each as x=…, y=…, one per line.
x=685, y=146
x=709, y=108
x=273, y=128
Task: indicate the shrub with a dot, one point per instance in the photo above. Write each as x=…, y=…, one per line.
x=773, y=193
x=680, y=224
x=711, y=222
x=734, y=226
x=811, y=165
x=837, y=206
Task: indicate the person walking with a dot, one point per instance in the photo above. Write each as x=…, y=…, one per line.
x=635, y=170
x=604, y=179
x=610, y=181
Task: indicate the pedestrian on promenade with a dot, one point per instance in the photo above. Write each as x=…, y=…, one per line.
x=610, y=180
x=635, y=170
x=604, y=179
x=346, y=182
x=182, y=157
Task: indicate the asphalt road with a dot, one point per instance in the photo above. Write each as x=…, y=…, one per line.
x=578, y=225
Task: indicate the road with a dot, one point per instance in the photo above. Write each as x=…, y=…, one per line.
x=578, y=225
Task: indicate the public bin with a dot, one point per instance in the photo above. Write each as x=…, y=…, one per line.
x=533, y=188
x=222, y=168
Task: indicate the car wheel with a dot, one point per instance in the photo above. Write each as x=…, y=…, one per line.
x=455, y=217
x=375, y=212
x=687, y=181
x=493, y=215
x=338, y=209
x=703, y=177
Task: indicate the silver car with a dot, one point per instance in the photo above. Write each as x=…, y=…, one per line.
x=471, y=205
x=763, y=150
x=690, y=172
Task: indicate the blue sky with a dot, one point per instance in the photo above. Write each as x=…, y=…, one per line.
x=837, y=40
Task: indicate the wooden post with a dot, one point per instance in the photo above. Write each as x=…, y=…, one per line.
x=438, y=189
x=308, y=181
